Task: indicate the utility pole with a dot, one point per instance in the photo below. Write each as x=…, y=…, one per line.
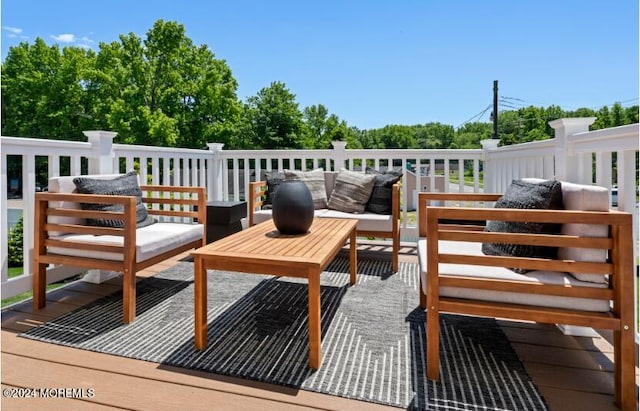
x=494, y=114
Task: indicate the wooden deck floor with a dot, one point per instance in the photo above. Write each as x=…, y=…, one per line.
x=572, y=373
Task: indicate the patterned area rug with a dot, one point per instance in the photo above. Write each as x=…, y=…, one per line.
x=373, y=337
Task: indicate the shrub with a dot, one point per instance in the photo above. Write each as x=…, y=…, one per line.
x=15, y=245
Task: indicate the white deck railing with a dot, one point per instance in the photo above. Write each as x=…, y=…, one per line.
x=575, y=154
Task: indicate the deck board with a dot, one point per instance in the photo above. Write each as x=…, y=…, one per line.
x=571, y=373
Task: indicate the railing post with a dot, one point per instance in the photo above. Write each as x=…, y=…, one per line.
x=488, y=169
x=102, y=159
x=339, y=154
x=215, y=186
x=569, y=166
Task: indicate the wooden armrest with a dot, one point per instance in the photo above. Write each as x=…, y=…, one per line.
x=255, y=195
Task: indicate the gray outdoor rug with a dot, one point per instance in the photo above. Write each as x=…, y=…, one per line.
x=373, y=337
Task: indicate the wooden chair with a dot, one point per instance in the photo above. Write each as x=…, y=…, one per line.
x=64, y=237
x=458, y=278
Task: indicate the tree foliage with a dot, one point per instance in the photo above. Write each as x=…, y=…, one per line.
x=162, y=91
x=42, y=92
x=322, y=127
x=273, y=120
x=16, y=255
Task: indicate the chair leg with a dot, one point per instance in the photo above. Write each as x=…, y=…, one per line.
x=39, y=286
x=128, y=296
x=396, y=251
x=433, y=344
x=624, y=375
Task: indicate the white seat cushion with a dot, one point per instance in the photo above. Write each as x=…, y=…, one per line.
x=150, y=241
x=534, y=277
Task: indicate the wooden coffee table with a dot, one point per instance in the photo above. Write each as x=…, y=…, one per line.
x=261, y=249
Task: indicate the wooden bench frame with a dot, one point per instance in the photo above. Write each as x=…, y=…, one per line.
x=256, y=194
x=619, y=267
x=169, y=202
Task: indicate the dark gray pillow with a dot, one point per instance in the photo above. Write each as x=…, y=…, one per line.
x=380, y=201
x=124, y=185
x=546, y=195
x=273, y=179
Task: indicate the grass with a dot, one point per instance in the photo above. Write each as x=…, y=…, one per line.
x=468, y=180
x=412, y=218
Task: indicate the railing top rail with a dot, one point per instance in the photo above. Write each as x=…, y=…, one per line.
x=160, y=150
x=531, y=145
x=444, y=153
x=351, y=152
x=273, y=153
x=620, y=131
x=18, y=144
x=620, y=138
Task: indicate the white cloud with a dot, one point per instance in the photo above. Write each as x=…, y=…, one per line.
x=64, y=38
x=86, y=40
x=13, y=30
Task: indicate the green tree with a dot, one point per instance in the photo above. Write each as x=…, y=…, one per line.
x=439, y=135
x=43, y=91
x=323, y=128
x=469, y=135
x=274, y=119
x=164, y=91
x=618, y=115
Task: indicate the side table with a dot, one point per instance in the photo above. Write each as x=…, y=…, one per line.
x=224, y=218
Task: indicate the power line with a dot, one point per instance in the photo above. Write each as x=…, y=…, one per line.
x=508, y=105
x=479, y=115
x=511, y=98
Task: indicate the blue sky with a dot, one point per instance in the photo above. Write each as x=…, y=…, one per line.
x=373, y=62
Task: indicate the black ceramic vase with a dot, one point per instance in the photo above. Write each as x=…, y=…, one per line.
x=292, y=208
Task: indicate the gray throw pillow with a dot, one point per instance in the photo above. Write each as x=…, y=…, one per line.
x=380, y=201
x=126, y=185
x=546, y=195
x=314, y=180
x=351, y=191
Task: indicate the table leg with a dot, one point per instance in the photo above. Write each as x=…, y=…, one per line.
x=315, y=355
x=353, y=257
x=200, y=303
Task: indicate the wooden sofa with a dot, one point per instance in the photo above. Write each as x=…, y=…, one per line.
x=369, y=224
x=63, y=235
x=456, y=277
